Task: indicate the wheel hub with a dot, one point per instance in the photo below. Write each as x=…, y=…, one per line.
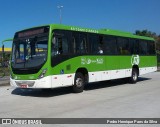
x=79, y=82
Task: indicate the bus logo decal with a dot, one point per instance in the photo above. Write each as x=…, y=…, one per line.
x=135, y=59
x=91, y=61
x=83, y=61
x=99, y=60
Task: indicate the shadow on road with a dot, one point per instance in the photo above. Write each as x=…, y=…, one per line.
x=42, y=92
x=111, y=83
x=68, y=90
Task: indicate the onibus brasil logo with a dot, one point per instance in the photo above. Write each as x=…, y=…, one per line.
x=135, y=59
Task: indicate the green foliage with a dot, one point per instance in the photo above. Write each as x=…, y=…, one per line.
x=5, y=56
x=145, y=33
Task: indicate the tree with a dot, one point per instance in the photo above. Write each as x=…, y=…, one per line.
x=145, y=33
x=158, y=43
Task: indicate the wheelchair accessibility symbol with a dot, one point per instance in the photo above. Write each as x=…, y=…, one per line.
x=135, y=59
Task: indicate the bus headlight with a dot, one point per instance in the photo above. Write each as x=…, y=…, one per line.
x=43, y=73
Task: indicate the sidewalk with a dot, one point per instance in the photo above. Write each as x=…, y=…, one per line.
x=4, y=81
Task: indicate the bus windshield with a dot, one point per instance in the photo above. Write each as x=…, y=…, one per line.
x=29, y=52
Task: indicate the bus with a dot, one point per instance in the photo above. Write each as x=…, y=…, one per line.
x=57, y=55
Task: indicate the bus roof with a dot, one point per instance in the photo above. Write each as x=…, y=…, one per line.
x=98, y=31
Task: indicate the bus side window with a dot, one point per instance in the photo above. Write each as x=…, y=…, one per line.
x=74, y=44
x=83, y=43
x=123, y=46
x=93, y=39
x=136, y=47
x=54, y=46
x=100, y=47
x=142, y=47
x=60, y=43
x=110, y=45
x=151, y=48
x=60, y=49
x=131, y=45
x=65, y=48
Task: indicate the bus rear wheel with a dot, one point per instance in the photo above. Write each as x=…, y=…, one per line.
x=134, y=76
x=78, y=83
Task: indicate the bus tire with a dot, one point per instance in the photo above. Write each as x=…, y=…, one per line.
x=134, y=76
x=78, y=83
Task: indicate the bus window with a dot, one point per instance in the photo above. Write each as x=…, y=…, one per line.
x=151, y=48
x=60, y=44
x=100, y=48
x=74, y=44
x=83, y=44
x=123, y=46
x=142, y=47
x=93, y=39
x=136, y=47
x=110, y=45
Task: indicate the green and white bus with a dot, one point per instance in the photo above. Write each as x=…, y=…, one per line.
x=58, y=56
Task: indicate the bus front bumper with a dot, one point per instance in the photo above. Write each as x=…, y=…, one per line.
x=39, y=83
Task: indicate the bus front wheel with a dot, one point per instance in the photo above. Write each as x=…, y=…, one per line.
x=78, y=83
x=134, y=76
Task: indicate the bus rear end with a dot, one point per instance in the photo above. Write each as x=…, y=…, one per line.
x=29, y=63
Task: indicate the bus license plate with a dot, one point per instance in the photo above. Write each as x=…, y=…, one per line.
x=24, y=86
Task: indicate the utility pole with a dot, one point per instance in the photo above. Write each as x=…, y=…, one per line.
x=60, y=12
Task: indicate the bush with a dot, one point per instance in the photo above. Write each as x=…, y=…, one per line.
x=6, y=70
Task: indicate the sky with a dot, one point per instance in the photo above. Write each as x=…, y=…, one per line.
x=124, y=15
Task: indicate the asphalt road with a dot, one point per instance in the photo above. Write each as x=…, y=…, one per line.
x=110, y=99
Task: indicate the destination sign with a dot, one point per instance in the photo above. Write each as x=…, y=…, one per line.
x=84, y=30
x=31, y=32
